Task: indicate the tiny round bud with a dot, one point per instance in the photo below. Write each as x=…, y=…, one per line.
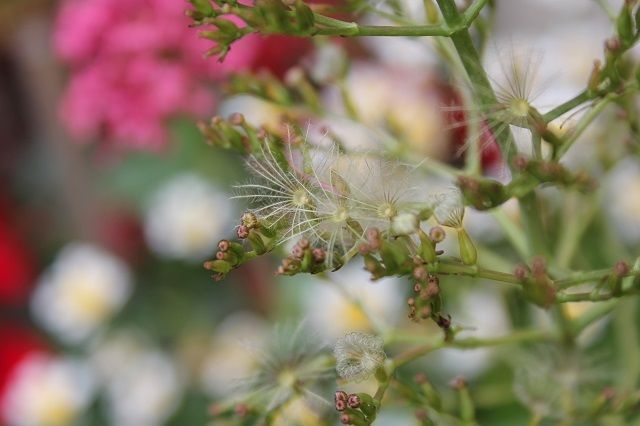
x=340, y=405
x=304, y=243
x=411, y=301
x=297, y=252
x=345, y=419
x=612, y=44
x=425, y=312
x=243, y=232
x=621, y=268
x=520, y=272
x=608, y=393
x=433, y=289
x=521, y=162
x=215, y=120
x=236, y=119
x=221, y=255
x=420, y=273
x=319, y=255
x=538, y=266
x=443, y=321
x=280, y=270
x=364, y=248
x=373, y=234
x=421, y=415
x=223, y=245
x=437, y=234
x=354, y=401
x=340, y=396
x=424, y=295
x=241, y=410
x=417, y=287
x=458, y=383
x=420, y=378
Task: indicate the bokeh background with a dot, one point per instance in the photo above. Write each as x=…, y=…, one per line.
x=110, y=200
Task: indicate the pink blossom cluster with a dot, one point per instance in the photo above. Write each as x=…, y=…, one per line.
x=133, y=65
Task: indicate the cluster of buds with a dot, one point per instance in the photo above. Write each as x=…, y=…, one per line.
x=426, y=302
x=393, y=257
x=303, y=258
x=357, y=409
x=232, y=133
x=428, y=243
x=264, y=16
x=537, y=285
x=553, y=172
x=232, y=254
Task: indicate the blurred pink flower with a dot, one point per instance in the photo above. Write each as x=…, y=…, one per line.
x=133, y=65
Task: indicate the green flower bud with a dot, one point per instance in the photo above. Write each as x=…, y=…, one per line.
x=468, y=252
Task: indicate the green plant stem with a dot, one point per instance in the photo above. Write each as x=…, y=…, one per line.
x=336, y=27
x=592, y=297
x=454, y=268
x=531, y=216
x=582, y=125
x=578, y=278
x=561, y=109
x=473, y=65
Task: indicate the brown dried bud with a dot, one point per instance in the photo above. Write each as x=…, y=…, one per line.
x=433, y=289
x=437, y=234
x=319, y=255
x=425, y=312
x=297, y=252
x=304, y=243
x=520, y=272
x=458, y=383
x=521, y=162
x=236, y=119
x=621, y=269
x=420, y=378
x=420, y=273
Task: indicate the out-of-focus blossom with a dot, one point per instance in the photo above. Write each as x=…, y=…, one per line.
x=230, y=358
x=622, y=200
x=401, y=100
x=186, y=217
x=145, y=392
x=353, y=303
x=18, y=342
x=16, y=265
x=136, y=63
x=143, y=385
x=44, y=390
x=81, y=290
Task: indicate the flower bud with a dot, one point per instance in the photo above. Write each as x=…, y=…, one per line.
x=468, y=252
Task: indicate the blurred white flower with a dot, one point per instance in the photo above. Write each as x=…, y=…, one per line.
x=186, y=217
x=387, y=98
x=332, y=308
x=358, y=355
x=229, y=360
x=47, y=391
x=143, y=385
x=84, y=288
x=622, y=199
